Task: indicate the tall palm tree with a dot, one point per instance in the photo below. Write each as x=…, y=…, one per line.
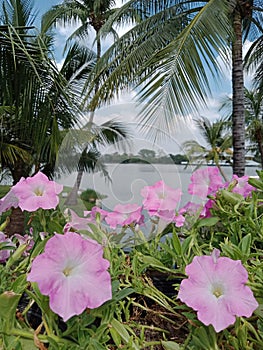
x=36, y=99
x=218, y=141
x=170, y=66
x=33, y=88
x=89, y=14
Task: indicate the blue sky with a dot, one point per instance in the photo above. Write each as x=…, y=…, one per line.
x=42, y=6
x=45, y=5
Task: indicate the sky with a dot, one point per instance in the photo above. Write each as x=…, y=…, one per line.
x=125, y=108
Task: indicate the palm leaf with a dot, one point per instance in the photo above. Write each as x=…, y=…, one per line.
x=171, y=81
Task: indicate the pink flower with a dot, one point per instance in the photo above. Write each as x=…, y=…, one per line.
x=5, y=242
x=206, y=212
x=77, y=223
x=216, y=289
x=26, y=239
x=160, y=197
x=8, y=201
x=191, y=208
x=242, y=186
x=37, y=192
x=170, y=216
x=205, y=181
x=73, y=273
x=124, y=215
x=94, y=211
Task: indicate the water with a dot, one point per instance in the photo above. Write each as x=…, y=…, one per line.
x=129, y=179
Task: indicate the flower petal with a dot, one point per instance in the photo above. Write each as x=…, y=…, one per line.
x=241, y=302
x=217, y=314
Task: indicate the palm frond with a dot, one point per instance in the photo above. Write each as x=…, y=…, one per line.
x=154, y=56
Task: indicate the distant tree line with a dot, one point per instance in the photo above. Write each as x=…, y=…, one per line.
x=145, y=156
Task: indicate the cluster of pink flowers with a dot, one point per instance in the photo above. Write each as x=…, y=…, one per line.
x=206, y=182
x=72, y=270
x=159, y=201
x=74, y=274
x=8, y=245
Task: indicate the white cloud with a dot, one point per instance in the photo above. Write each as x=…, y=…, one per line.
x=126, y=110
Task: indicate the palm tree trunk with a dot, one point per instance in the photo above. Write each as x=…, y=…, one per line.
x=96, y=88
x=238, y=119
x=16, y=222
x=17, y=218
x=72, y=198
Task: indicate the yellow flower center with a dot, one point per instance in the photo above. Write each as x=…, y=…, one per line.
x=38, y=192
x=67, y=271
x=217, y=290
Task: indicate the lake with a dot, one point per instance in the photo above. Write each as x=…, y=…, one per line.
x=128, y=180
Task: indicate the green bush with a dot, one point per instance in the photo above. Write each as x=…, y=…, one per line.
x=89, y=197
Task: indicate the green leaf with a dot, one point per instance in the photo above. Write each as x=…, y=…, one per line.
x=245, y=244
x=170, y=345
x=208, y=221
x=256, y=183
x=27, y=344
x=151, y=261
x=95, y=345
x=186, y=244
x=8, y=305
x=259, y=311
x=116, y=337
x=16, y=255
x=121, y=330
x=206, y=338
x=123, y=293
x=176, y=244
x=39, y=247
x=20, y=284
x=231, y=197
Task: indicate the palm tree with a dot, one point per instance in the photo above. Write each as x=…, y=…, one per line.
x=218, y=142
x=168, y=55
x=33, y=89
x=35, y=98
x=90, y=15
